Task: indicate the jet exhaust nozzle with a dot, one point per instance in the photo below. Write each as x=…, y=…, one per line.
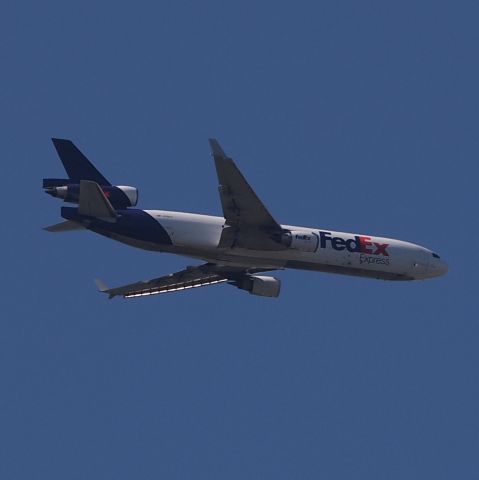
x=57, y=192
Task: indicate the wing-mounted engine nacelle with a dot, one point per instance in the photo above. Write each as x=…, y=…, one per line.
x=302, y=240
x=120, y=196
x=260, y=285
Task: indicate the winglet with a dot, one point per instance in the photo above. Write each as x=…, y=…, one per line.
x=101, y=285
x=103, y=288
x=216, y=148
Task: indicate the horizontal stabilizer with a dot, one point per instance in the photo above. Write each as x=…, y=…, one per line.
x=67, y=226
x=93, y=202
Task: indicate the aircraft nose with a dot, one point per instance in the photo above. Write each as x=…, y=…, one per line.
x=438, y=267
x=444, y=267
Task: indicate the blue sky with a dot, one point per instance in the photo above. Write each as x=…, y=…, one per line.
x=356, y=116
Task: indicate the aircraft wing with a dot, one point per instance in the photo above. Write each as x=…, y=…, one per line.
x=249, y=223
x=191, y=277
x=240, y=203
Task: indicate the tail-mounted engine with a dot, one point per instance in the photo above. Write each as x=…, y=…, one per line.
x=304, y=241
x=119, y=196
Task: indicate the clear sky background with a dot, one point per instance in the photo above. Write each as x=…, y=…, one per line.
x=356, y=116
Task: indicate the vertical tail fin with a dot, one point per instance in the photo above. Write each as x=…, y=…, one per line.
x=77, y=166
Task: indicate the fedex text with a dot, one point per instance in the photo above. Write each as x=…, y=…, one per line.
x=356, y=244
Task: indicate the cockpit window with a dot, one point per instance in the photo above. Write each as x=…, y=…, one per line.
x=435, y=255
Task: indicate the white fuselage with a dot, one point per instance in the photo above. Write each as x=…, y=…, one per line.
x=198, y=236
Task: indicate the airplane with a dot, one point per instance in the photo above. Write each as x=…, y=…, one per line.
x=237, y=248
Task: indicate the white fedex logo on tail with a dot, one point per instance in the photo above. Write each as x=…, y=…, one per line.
x=236, y=248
